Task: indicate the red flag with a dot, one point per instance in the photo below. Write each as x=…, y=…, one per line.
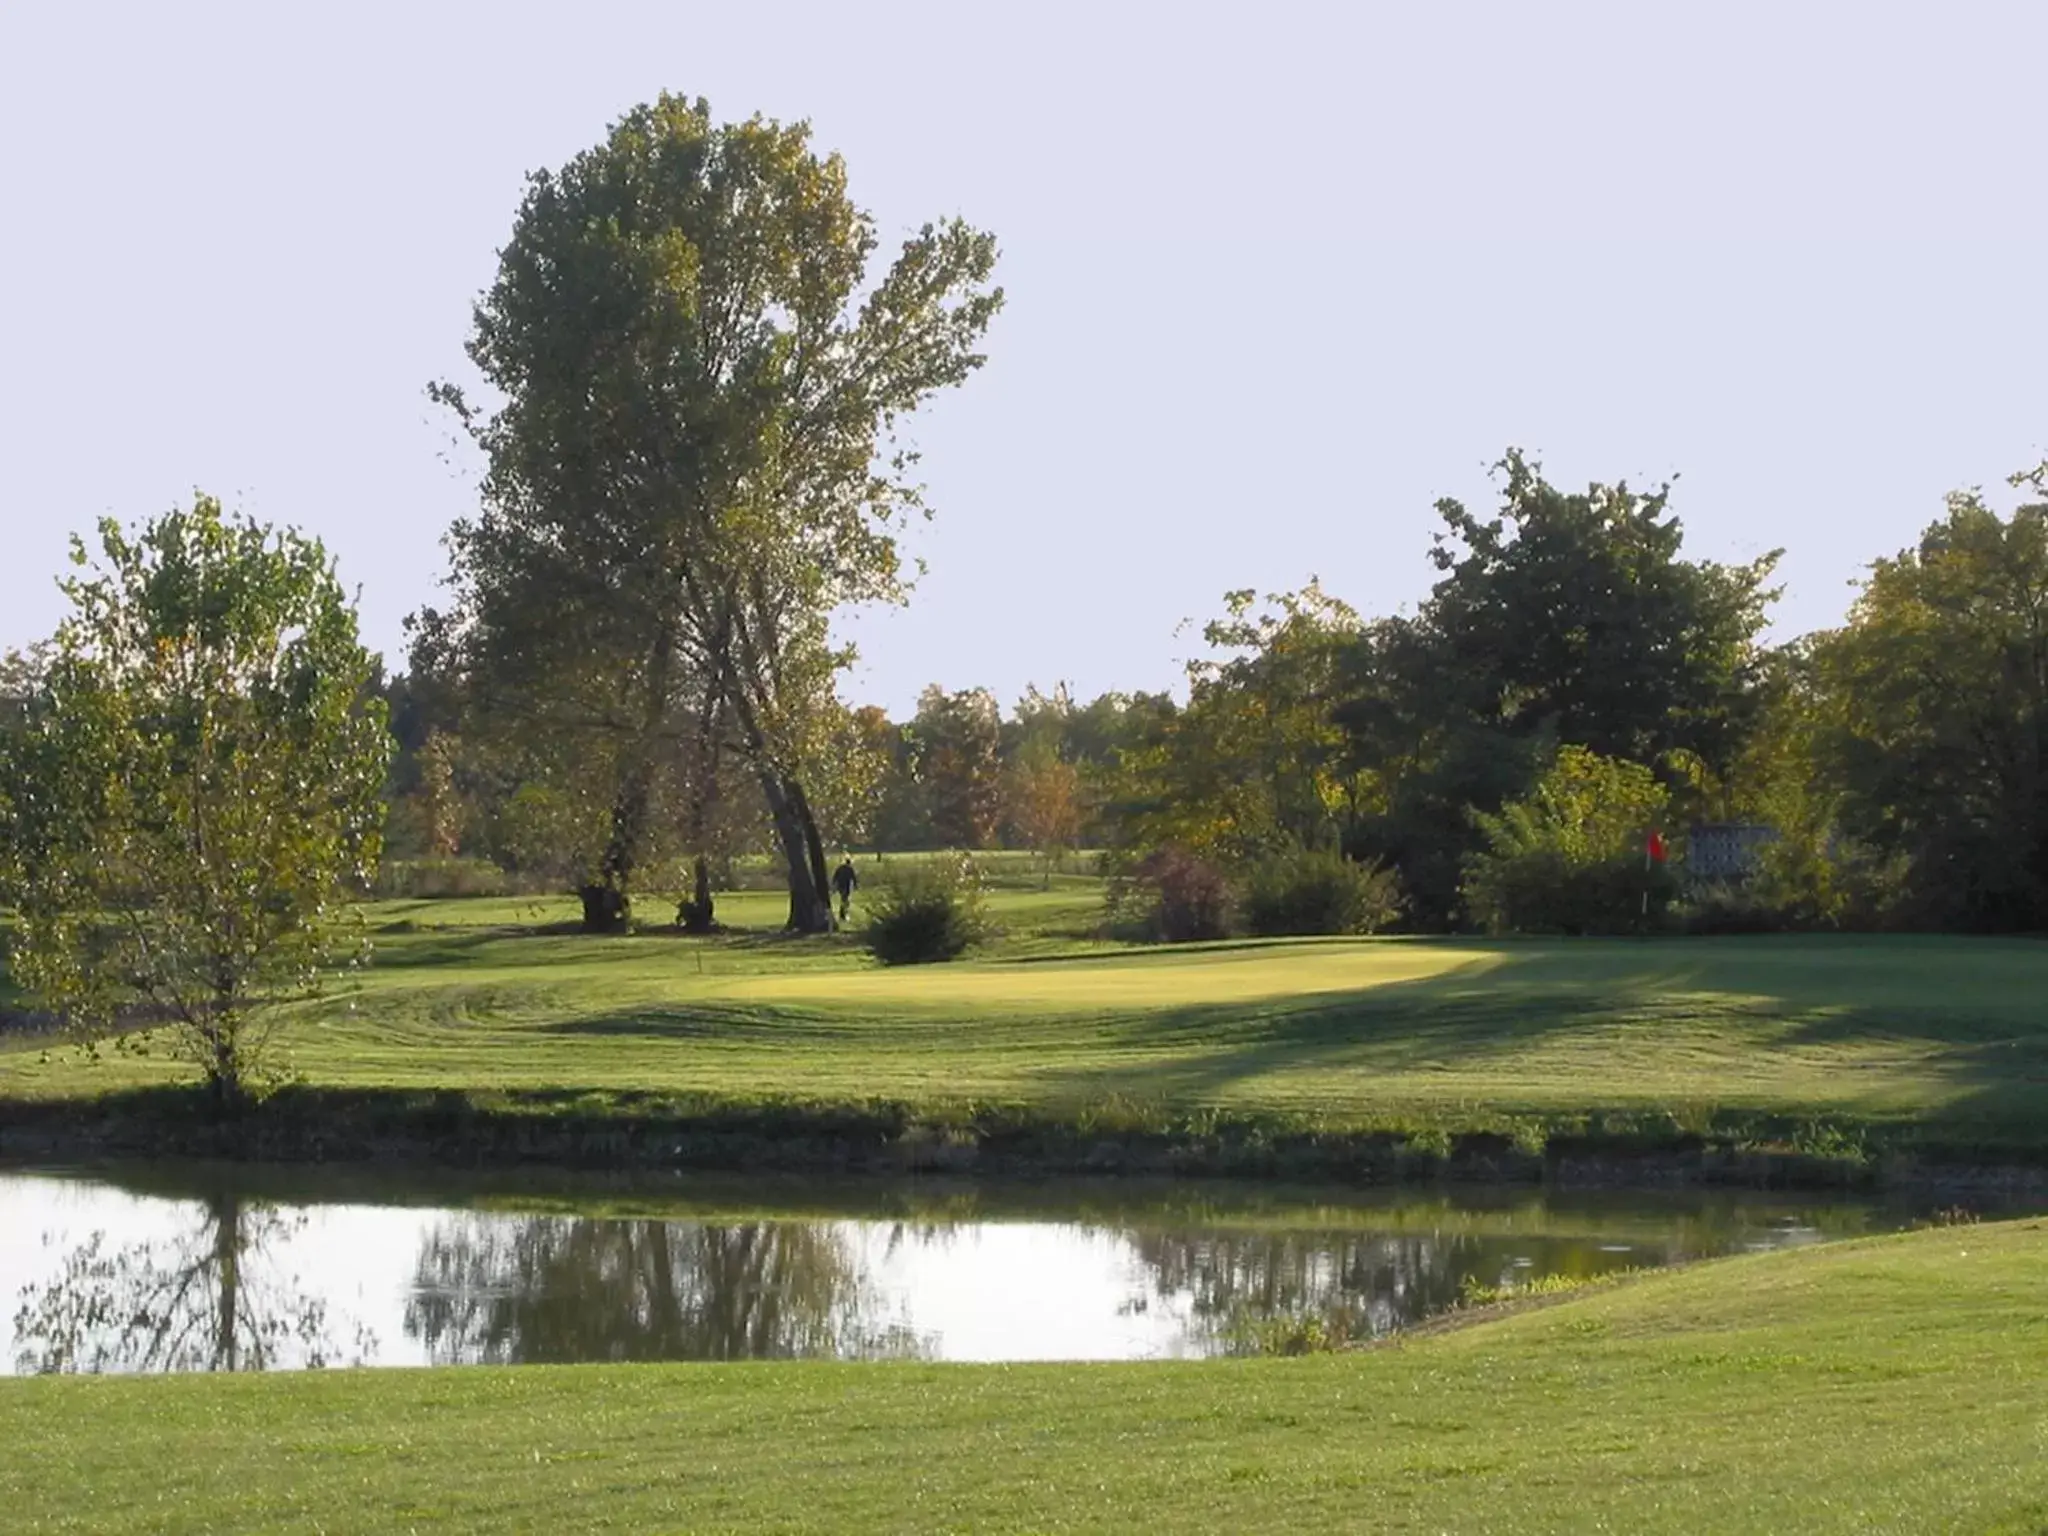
x=1655, y=847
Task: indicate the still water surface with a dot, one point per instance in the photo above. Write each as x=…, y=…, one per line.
x=207, y=1268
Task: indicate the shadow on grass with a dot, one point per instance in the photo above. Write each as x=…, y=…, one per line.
x=696, y=1022
x=1976, y=1003
x=418, y=949
x=1971, y=1006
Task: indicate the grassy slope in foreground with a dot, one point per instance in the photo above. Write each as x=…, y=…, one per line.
x=1890, y=1384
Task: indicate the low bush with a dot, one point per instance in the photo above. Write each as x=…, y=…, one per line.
x=1729, y=907
x=1570, y=857
x=1297, y=1333
x=1819, y=880
x=1539, y=892
x=440, y=878
x=1171, y=896
x=1301, y=892
x=926, y=911
x=1807, y=882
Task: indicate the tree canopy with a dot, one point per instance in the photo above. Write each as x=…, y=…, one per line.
x=694, y=458
x=1883, y=773
x=1576, y=614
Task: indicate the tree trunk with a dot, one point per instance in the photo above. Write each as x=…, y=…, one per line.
x=814, y=845
x=606, y=909
x=607, y=900
x=226, y=1071
x=227, y=1255
x=810, y=894
x=698, y=915
x=810, y=906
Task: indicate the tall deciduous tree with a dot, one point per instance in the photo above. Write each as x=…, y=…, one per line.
x=1933, y=715
x=1044, y=795
x=694, y=460
x=1569, y=618
x=197, y=790
x=21, y=679
x=853, y=758
x=441, y=807
x=1423, y=760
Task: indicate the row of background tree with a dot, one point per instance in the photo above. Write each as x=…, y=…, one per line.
x=692, y=395
x=958, y=774
x=1571, y=682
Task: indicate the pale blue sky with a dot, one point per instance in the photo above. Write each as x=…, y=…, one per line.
x=1279, y=275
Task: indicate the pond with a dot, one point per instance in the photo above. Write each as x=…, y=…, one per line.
x=240, y=1268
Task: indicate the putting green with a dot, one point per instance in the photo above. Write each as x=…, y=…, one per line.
x=1134, y=982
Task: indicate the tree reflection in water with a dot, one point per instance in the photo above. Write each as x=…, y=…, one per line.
x=1359, y=1285
x=211, y=1299
x=557, y=1289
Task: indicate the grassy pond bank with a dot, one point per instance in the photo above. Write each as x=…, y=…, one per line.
x=174, y=1267
x=486, y=1031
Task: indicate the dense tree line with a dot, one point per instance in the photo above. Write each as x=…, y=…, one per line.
x=692, y=464
x=1572, y=685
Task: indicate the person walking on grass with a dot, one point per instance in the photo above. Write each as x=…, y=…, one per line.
x=843, y=881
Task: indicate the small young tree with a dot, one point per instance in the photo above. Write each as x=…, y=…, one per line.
x=197, y=787
x=440, y=803
x=1044, y=794
x=927, y=910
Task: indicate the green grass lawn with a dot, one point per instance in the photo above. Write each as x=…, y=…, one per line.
x=1896, y=1384
x=1944, y=1035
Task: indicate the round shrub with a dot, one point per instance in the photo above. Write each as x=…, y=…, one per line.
x=925, y=912
x=1301, y=892
x=1179, y=897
